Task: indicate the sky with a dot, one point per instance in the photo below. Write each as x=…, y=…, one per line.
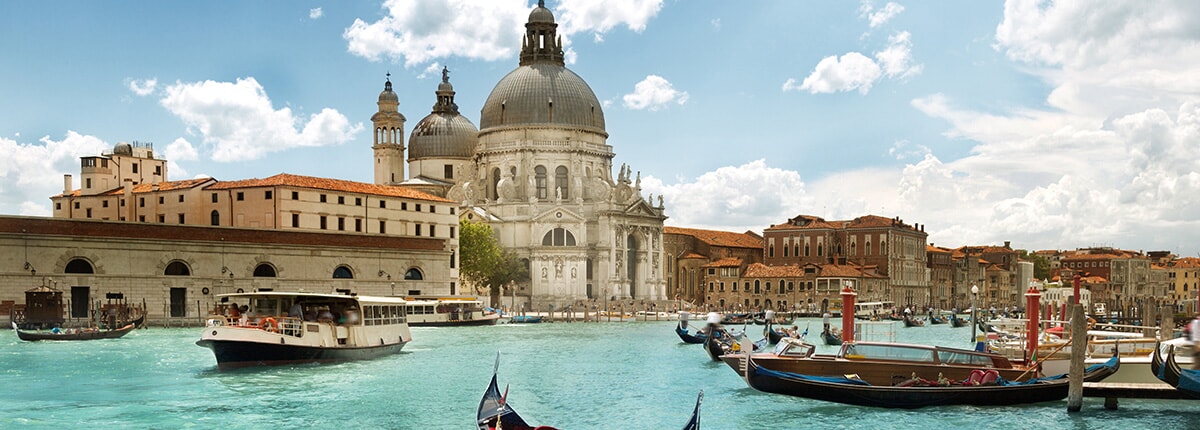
x=1047, y=124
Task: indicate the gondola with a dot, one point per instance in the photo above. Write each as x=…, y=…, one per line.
x=74, y=334
x=495, y=412
x=910, y=321
x=934, y=319
x=772, y=335
x=830, y=338
x=956, y=322
x=1184, y=380
x=721, y=342
x=699, y=337
x=694, y=423
x=918, y=393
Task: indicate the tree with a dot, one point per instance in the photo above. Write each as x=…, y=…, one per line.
x=484, y=263
x=1041, y=265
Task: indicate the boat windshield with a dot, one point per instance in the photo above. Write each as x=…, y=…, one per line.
x=792, y=348
x=888, y=352
x=965, y=358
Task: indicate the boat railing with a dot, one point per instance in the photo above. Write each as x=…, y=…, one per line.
x=285, y=325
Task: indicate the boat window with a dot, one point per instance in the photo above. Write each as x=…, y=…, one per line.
x=890, y=352
x=963, y=358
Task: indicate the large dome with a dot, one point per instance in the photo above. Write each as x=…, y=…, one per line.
x=542, y=94
x=443, y=135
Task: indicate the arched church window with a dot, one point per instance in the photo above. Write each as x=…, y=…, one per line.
x=539, y=178
x=342, y=272
x=216, y=217
x=558, y=237
x=264, y=270
x=413, y=274
x=177, y=268
x=79, y=265
x=561, y=181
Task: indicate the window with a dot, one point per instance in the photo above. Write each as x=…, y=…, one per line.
x=342, y=272
x=214, y=197
x=89, y=212
x=181, y=198
x=358, y=201
x=561, y=181
x=539, y=175
x=295, y=220
x=181, y=218
x=160, y=200
x=403, y=206
x=88, y=182
x=413, y=275
x=418, y=233
x=241, y=196
x=453, y=254
x=382, y=227
x=215, y=218
x=558, y=237
x=357, y=224
x=295, y=195
x=78, y=265
x=178, y=302
x=58, y=206
x=264, y=270
x=134, y=167
x=158, y=170
x=418, y=207
x=322, y=198
x=323, y=222
x=431, y=229
x=177, y=268
x=267, y=194
x=383, y=204
x=104, y=204
x=432, y=209
x=76, y=205
x=448, y=171
x=341, y=223
x=452, y=232
x=341, y=200
x=141, y=203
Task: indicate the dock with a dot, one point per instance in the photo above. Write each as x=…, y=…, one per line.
x=1111, y=392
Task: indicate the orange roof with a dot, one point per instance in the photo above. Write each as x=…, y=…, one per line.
x=692, y=255
x=285, y=179
x=865, y=221
x=725, y=262
x=1186, y=263
x=147, y=187
x=759, y=270
x=719, y=238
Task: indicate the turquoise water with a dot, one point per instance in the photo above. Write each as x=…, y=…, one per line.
x=631, y=375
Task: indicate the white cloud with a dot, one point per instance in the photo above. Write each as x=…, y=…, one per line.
x=239, y=122
x=852, y=72
x=420, y=31
x=179, y=150
x=315, y=13
x=732, y=198
x=143, y=87
x=32, y=172
x=578, y=16
x=434, y=69
x=654, y=93
x=896, y=59
x=878, y=17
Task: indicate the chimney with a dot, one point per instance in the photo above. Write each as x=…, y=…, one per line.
x=129, y=207
x=1007, y=243
x=67, y=188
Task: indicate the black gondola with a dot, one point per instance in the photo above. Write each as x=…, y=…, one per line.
x=1184, y=380
x=955, y=321
x=721, y=342
x=830, y=338
x=911, y=321
x=699, y=337
x=847, y=390
x=74, y=334
x=494, y=410
x=694, y=423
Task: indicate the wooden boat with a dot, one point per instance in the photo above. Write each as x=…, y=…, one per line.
x=495, y=412
x=1169, y=372
x=694, y=423
x=291, y=327
x=687, y=337
x=525, y=319
x=772, y=335
x=956, y=322
x=721, y=342
x=448, y=311
x=910, y=321
x=917, y=392
x=89, y=333
x=882, y=363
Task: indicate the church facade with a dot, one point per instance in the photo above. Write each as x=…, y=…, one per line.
x=539, y=171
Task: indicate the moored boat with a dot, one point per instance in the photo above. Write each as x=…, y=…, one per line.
x=525, y=319
x=683, y=330
x=983, y=388
x=87, y=333
x=448, y=311
x=271, y=328
x=1168, y=371
x=494, y=411
x=881, y=363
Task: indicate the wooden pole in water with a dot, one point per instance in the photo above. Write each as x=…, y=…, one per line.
x=1078, y=347
x=848, y=313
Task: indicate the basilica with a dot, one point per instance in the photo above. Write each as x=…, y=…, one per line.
x=539, y=172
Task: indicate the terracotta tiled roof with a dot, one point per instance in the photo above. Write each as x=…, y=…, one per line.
x=692, y=255
x=719, y=238
x=725, y=262
x=938, y=249
x=149, y=187
x=285, y=179
x=1185, y=263
x=815, y=222
x=759, y=270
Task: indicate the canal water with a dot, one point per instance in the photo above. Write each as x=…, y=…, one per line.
x=626, y=375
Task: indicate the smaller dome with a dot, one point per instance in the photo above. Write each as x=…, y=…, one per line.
x=445, y=86
x=123, y=148
x=387, y=95
x=443, y=135
x=541, y=14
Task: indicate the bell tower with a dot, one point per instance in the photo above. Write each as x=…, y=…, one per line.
x=389, y=137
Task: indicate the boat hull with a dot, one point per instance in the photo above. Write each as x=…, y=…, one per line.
x=235, y=353
x=487, y=320
x=91, y=335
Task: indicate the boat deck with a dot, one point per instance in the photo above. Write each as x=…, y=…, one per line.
x=1112, y=391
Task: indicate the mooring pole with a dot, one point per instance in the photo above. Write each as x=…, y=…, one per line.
x=1078, y=347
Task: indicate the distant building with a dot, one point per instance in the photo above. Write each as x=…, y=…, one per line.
x=686, y=250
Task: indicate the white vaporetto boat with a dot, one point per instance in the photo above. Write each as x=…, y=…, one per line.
x=448, y=311
x=271, y=328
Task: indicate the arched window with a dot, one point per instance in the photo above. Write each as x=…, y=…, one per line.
x=539, y=178
x=558, y=237
x=264, y=270
x=561, y=181
x=413, y=275
x=342, y=272
x=79, y=265
x=177, y=268
x=216, y=217
x=757, y=287
x=495, y=183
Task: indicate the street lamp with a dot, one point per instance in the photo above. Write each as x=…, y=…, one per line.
x=974, y=311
